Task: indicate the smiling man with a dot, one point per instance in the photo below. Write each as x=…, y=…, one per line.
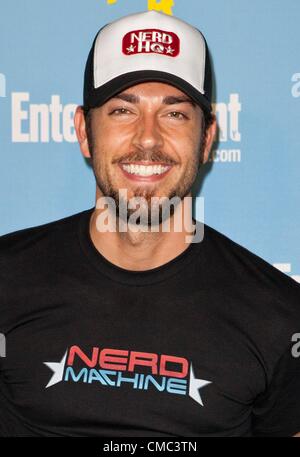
x=117, y=327
x=148, y=140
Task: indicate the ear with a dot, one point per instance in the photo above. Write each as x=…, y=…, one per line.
x=210, y=137
x=80, y=127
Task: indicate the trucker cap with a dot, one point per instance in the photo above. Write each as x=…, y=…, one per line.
x=148, y=46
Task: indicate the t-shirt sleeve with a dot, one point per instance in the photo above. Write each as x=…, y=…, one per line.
x=277, y=411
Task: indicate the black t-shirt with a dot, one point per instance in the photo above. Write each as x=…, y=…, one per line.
x=200, y=346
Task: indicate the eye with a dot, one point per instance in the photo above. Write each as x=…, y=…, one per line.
x=177, y=115
x=120, y=111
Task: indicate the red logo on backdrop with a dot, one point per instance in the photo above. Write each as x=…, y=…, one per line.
x=151, y=41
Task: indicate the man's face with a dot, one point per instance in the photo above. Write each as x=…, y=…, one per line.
x=146, y=140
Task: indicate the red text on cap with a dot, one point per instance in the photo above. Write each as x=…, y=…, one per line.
x=151, y=41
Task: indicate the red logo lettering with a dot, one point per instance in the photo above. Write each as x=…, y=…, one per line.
x=151, y=41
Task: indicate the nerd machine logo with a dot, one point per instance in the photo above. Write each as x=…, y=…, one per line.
x=151, y=41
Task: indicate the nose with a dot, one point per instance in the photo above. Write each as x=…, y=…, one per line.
x=148, y=135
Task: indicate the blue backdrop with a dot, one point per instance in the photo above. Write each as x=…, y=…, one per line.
x=251, y=188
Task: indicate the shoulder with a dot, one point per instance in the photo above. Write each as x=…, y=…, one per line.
x=257, y=298
x=234, y=260
x=250, y=289
x=32, y=239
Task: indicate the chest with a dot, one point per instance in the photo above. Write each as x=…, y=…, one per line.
x=111, y=364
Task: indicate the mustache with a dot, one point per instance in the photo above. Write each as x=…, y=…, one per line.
x=151, y=156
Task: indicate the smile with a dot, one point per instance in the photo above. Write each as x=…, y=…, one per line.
x=142, y=171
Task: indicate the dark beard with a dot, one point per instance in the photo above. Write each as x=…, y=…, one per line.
x=151, y=215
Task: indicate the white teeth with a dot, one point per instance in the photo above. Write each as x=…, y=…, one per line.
x=144, y=170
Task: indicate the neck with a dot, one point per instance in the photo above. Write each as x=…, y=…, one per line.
x=142, y=250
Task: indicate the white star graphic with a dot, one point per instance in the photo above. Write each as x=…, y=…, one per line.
x=196, y=384
x=169, y=50
x=130, y=49
x=58, y=370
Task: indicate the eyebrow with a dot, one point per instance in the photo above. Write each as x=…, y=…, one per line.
x=169, y=100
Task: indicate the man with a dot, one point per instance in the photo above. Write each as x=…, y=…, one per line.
x=143, y=331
